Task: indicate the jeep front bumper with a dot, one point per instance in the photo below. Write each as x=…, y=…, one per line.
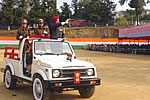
x=71, y=84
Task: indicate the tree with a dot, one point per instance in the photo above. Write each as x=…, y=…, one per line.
x=50, y=9
x=108, y=9
x=66, y=12
x=0, y=17
x=13, y=11
x=34, y=13
x=20, y=11
x=98, y=11
x=121, y=21
x=145, y=17
x=45, y=10
x=75, y=7
x=92, y=11
x=130, y=15
x=123, y=1
x=137, y=4
x=7, y=12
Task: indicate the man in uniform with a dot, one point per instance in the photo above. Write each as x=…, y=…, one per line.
x=41, y=31
x=56, y=28
x=22, y=31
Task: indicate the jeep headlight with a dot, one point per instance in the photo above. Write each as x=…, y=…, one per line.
x=90, y=72
x=56, y=73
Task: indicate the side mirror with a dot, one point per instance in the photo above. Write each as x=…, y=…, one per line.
x=75, y=57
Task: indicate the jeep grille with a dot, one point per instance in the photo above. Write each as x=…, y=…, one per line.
x=65, y=73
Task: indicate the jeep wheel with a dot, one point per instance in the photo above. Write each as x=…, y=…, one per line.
x=10, y=81
x=86, y=92
x=40, y=91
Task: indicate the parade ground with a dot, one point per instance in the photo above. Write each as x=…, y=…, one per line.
x=124, y=77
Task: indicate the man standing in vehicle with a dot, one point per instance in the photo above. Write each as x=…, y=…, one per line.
x=22, y=31
x=56, y=28
x=41, y=31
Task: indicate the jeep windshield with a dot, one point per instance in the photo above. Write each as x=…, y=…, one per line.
x=52, y=48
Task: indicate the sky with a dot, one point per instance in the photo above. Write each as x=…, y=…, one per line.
x=118, y=8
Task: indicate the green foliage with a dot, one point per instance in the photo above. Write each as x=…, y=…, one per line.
x=45, y=10
x=97, y=11
x=13, y=11
x=94, y=11
x=123, y=1
x=129, y=15
x=35, y=13
x=7, y=11
x=130, y=12
x=121, y=21
x=75, y=7
x=137, y=4
x=66, y=12
x=20, y=12
x=145, y=17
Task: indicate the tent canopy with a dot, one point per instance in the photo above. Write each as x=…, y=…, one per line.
x=139, y=32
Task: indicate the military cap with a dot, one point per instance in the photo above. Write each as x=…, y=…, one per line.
x=40, y=21
x=24, y=21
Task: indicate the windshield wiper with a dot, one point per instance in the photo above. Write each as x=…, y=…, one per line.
x=51, y=53
x=64, y=53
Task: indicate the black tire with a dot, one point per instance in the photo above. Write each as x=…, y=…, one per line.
x=86, y=92
x=40, y=92
x=9, y=79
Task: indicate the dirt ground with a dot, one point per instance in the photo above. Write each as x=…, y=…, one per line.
x=124, y=77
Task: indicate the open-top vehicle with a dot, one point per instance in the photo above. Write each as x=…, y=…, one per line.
x=50, y=66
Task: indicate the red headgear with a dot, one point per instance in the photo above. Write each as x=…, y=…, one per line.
x=54, y=19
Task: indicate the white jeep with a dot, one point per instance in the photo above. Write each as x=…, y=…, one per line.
x=50, y=66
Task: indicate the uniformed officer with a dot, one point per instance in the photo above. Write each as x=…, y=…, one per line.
x=41, y=31
x=56, y=28
x=22, y=31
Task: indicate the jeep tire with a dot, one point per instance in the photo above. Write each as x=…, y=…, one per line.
x=10, y=81
x=87, y=91
x=40, y=92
